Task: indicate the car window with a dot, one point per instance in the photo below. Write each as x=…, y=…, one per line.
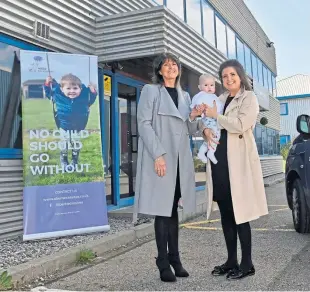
x=304, y=126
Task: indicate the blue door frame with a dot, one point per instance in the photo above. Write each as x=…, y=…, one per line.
x=117, y=78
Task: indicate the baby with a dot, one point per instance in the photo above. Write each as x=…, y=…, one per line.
x=206, y=96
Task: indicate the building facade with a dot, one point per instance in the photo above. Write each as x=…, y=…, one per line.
x=294, y=96
x=127, y=35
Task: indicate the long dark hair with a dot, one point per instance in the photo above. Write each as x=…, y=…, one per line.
x=158, y=63
x=240, y=71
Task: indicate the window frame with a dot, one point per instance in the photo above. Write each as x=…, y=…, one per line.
x=228, y=28
x=286, y=109
x=184, y=9
x=256, y=75
x=220, y=18
x=237, y=51
x=246, y=48
x=200, y=16
x=207, y=4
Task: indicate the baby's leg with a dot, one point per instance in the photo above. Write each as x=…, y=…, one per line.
x=202, y=152
x=211, y=156
x=211, y=150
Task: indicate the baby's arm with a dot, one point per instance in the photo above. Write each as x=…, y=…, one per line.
x=194, y=102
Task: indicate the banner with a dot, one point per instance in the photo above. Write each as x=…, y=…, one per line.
x=64, y=191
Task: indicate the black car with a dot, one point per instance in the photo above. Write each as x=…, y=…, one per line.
x=297, y=176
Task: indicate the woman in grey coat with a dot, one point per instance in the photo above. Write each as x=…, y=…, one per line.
x=165, y=169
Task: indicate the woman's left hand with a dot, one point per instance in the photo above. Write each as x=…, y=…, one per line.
x=197, y=111
x=211, y=112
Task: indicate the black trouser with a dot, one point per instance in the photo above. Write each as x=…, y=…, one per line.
x=167, y=228
x=231, y=229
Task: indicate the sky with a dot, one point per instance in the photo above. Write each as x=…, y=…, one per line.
x=287, y=24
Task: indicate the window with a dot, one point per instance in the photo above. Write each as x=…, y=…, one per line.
x=160, y=2
x=7, y=49
x=258, y=139
x=267, y=140
x=208, y=23
x=193, y=14
x=277, y=143
x=200, y=167
x=265, y=76
x=231, y=41
x=6, y=75
x=270, y=141
x=284, y=139
x=260, y=71
x=254, y=67
x=240, y=52
x=269, y=81
x=177, y=7
x=221, y=36
x=248, y=63
x=273, y=82
x=284, y=109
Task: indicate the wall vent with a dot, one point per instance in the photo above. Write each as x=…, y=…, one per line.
x=42, y=30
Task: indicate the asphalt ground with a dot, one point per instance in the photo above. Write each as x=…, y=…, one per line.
x=281, y=257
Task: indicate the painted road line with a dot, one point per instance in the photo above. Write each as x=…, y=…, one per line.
x=282, y=209
x=277, y=205
x=200, y=222
x=255, y=229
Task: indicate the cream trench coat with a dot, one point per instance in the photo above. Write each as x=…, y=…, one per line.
x=246, y=179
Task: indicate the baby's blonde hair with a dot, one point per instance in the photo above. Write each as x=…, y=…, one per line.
x=205, y=76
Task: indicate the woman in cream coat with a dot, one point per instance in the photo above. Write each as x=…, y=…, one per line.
x=235, y=183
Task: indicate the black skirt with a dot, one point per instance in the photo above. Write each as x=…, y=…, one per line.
x=220, y=173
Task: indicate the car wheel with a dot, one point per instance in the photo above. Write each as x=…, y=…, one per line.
x=301, y=215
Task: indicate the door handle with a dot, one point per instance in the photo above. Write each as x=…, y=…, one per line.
x=302, y=166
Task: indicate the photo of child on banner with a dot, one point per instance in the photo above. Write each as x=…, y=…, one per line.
x=61, y=99
x=71, y=105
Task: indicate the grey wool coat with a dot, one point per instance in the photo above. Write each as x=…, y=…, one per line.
x=164, y=130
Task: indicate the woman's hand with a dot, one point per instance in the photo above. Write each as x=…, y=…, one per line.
x=197, y=111
x=211, y=112
x=160, y=166
x=209, y=134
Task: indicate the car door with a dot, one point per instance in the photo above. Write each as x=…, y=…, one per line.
x=307, y=170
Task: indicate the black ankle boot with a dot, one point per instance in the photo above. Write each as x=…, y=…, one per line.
x=166, y=275
x=175, y=262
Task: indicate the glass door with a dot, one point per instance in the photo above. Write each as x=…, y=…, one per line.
x=128, y=142
x=120, y=139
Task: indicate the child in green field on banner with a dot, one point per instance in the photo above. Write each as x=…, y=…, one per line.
x=71, y=102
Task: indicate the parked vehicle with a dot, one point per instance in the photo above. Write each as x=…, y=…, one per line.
x=297, y=176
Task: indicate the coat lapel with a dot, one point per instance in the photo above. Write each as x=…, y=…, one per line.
x=167, y=106
x=235, y=102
